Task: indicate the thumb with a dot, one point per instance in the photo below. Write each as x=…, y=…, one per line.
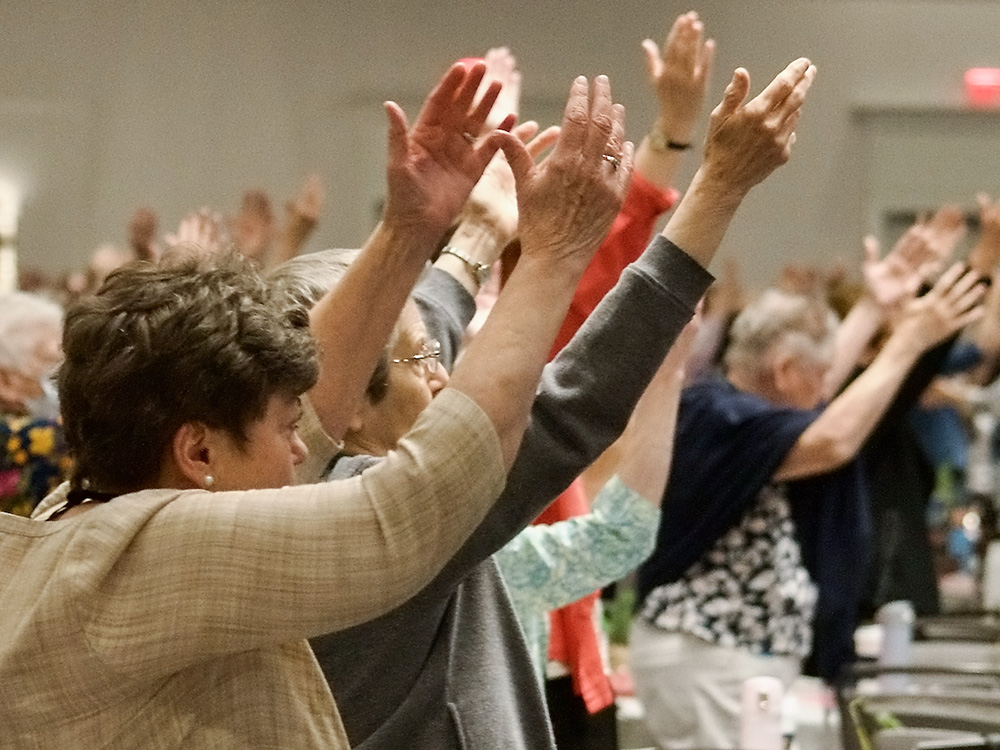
x=653, y=61
x=397, y=131
x=518, y=158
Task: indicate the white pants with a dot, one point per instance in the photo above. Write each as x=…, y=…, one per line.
x=691, y=688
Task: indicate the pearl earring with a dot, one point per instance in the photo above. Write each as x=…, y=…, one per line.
x=209, y=481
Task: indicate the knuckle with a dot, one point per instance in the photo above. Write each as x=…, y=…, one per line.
x=603, y=122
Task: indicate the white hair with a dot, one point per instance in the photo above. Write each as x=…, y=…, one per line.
x=781, y=323
x=25, y=320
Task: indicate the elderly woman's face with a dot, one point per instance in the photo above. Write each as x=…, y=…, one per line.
x=802, y=384
x=410, y=387
x=20, y=386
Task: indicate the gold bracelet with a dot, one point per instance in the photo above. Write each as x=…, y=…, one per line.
x=479, y=271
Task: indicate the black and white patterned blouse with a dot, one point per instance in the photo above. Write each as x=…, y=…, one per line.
x=750, y=590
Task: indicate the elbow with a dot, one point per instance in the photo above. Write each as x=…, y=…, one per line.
x=836, y=451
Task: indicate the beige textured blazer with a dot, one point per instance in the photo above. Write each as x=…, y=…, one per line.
x=167, y=619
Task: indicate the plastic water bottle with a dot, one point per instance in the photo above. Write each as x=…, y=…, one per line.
x=760, y=714
x=896, y=619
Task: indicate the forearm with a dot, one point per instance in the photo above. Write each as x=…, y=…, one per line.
x=352, y=323
x=482, y=241
x=502, y=366
x=836, y=436
x=629, y=236
x=648, y=440
x=588, y=391
x=853, y=335
x=547, y=567
x=706, y=346
x=660, y=165
x=700, y=220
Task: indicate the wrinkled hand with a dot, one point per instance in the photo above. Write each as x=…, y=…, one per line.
x=568, y=202
x=200, y=232
x=746, y=142
x=679, y=76
x=896, y=278
x=954, y=302
x=433, y=166
x=309, y=202
x=493, y=200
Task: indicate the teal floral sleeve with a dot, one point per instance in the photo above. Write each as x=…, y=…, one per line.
x=33, y=461
x=547, y=567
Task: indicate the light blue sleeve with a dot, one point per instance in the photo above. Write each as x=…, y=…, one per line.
x=547, y=567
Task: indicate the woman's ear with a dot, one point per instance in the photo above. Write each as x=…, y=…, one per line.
x=191, y=456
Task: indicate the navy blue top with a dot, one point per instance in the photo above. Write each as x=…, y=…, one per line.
x=727, y=448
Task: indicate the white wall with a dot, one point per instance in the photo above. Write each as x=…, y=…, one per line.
x=107, y=104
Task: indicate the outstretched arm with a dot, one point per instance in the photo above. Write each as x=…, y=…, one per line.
x=836, y=435
x=588, y=391
x=549, y=566
x=745, y=143
x=679, y=77
x=565, y=206
x=890, y=282
x=432, y=167
x=301, y=217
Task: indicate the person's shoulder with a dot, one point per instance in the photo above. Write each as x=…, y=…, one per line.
x=718, y=393
x=718, y=400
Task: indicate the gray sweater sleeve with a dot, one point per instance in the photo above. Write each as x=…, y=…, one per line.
x=588, y=391
x=446, y=308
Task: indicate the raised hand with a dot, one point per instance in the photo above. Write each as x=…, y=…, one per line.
x=433, y=165
x=896, y=278
x=679, y=76
x=308, y=204
x=201, y=232
x=501, y=67
x=494, y=198
x=746, y=142
x=953, y=303
x=567, y=202
x=945, y=229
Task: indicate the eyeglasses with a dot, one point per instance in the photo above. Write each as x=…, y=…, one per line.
x=428, y=357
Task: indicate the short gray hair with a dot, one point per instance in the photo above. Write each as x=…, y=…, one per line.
x=25, y=318
x=777, y=323
x=303, y=280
